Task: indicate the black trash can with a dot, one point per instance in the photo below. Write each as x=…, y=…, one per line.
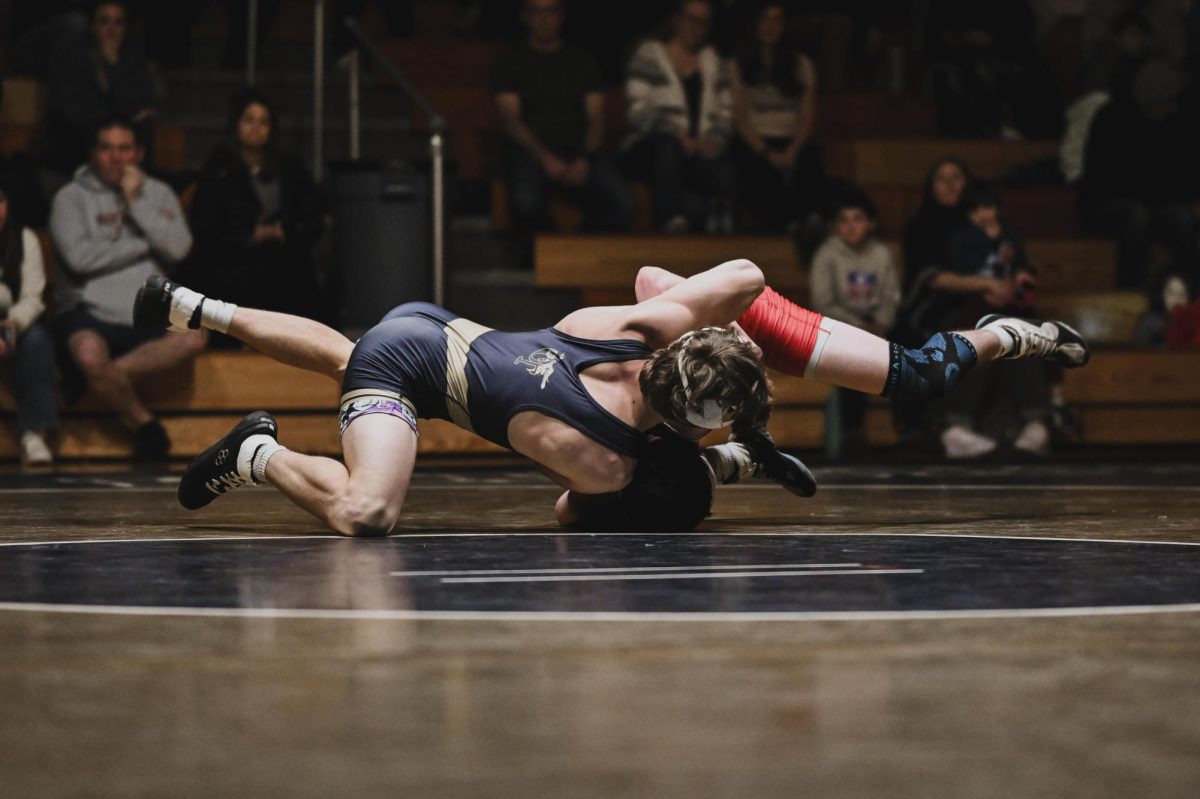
x=382, y=238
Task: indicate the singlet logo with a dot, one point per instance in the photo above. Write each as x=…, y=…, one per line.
x=541, y=362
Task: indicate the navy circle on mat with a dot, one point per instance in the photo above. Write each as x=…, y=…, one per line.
x=605, y=574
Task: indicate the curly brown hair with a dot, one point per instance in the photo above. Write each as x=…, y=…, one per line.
x=716, y=365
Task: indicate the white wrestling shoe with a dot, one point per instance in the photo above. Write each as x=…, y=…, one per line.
x=1057, y=342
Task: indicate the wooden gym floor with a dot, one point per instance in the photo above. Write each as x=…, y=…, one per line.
x=913, y=631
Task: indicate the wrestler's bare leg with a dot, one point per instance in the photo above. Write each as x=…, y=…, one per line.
x=293, y=340
x=855, y=359
x=162, y=304
x=364, y=496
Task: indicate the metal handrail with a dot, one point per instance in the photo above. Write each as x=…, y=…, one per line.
x=251, y=42
x=437, y=123
x=437, y=131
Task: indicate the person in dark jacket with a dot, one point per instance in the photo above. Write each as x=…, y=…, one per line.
x=1139, y=177
x=100, y=78
x=927, y=250
x=256, y=216
x=990, y=272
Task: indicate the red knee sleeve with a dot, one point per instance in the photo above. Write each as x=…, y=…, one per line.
x=786, y=332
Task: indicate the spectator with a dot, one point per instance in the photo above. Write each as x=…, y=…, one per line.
x=775, y=108
x=1128, y=47
x=1168, y=295
x=40, y=31
x=854, y=280
x=1139, y=181
x=927, y=252
x=1164, y=20
x=257, y=216
x=925, y=309
x=989, y=255
x=23, y=338
x=548, y=94
x=113, y=227
x=101, y=77
x=680, y=114
x=986, y=75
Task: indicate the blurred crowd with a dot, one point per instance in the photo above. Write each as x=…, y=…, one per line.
x=717, y=122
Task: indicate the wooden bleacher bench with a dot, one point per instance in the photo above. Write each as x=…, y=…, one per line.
x=1123, y=396
x=905, y=162
x=1042, y=212
x=603, y=267
x=198, y=404
x=24, y=103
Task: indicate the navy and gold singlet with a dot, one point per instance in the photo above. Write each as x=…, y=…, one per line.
x=451, y=368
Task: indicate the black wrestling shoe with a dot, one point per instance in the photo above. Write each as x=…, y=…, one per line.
x=1056, y=342
x=215, y=471
x=152, y=308
x=772, y=464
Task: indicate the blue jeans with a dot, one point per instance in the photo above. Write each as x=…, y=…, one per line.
x=37, y=405
x=605, y=199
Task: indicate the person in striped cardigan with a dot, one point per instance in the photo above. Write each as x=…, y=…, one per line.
x=679, y=108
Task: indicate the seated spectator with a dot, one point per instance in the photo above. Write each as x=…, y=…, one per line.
x=101, y=77
x=256, y=216
x=39, y=31
x=1127, y=48
x=679, y=108
x=775, y=108
x=1140, y=174
x=854, y=280
x=548, y=94
x=987, y=77
x=113, y=226
x=24, y=341
x=1166, y=297
x=992, y=274
x=925, y=309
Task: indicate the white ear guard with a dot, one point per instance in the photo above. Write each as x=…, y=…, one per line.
x=709, y=414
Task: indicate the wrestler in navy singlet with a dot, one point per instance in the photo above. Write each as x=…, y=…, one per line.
x=451, y=368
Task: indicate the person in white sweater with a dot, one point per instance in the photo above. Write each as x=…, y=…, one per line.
x=23, y=338
x=854, y=280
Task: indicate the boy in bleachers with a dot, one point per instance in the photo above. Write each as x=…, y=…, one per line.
x=854, y=280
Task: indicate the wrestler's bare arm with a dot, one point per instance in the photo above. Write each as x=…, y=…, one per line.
x=714, y=297
x=717, y=296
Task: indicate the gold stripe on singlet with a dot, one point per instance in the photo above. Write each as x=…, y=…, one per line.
x=459, y=335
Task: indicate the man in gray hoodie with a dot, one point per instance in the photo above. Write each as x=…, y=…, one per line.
x=113, y=226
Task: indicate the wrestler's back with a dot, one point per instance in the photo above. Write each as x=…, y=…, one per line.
x=568, y=456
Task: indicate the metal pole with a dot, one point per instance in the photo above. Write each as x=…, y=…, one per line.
x=436, y=142
x=355, y=106
x=251, y=42
x=318, y=134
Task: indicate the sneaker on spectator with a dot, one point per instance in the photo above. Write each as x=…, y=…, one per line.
x=961, y=443
x=34, y=449
x=151, y=443
x=1034, y=438
x=676, y=225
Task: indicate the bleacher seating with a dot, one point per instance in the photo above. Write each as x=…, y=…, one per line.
x=604, y=267
x=1124, y=397
x=199, y=403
